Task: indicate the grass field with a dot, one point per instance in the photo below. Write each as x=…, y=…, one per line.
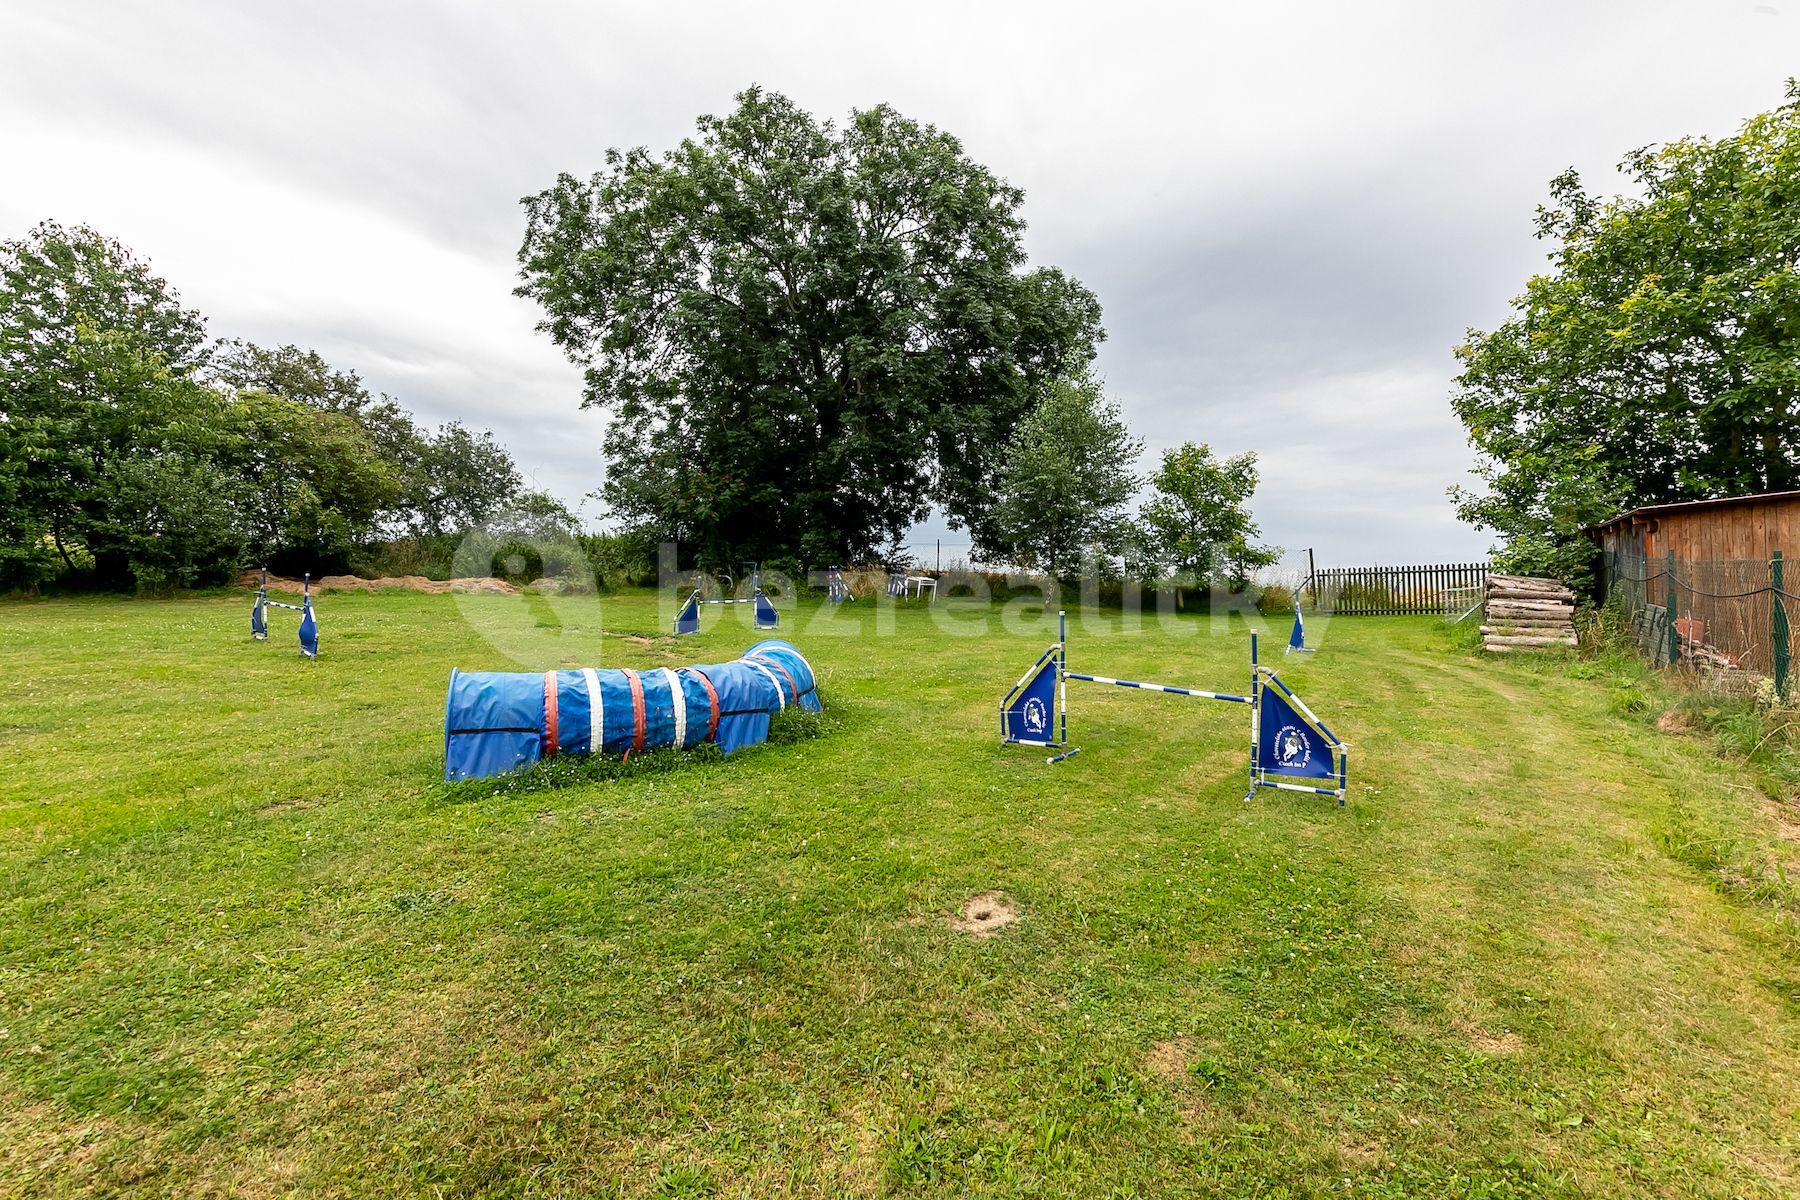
x=250, y=946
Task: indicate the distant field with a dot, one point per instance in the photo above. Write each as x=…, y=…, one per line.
x=249, y=944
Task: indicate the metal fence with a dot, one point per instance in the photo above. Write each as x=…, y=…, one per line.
x=1731, y=616
x=1392, y=591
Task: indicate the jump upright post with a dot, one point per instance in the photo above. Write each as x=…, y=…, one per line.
x=1290, y=748
x=836, y=590
x=687, y=620
x=309, y=624
x=1297, y=637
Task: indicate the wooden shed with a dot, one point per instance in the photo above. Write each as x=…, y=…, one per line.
x=1733, y=528
x=1698, y=579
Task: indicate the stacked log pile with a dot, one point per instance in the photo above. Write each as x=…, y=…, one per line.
x=1524, y=613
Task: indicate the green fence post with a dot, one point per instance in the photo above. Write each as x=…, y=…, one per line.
x=1674, y=638
x=1778, y=624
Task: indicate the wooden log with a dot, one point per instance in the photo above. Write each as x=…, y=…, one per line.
x=1502, y=640
x=1531, y=597
x=1507, y=627
x=1532, y=602
x=1552, y=597
x=1525, y=581
x=1543, y=612
x=1563, y=594
x=1494, y=618
x=1531, y=589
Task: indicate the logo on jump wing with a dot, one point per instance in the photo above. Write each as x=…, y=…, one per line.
x=1037, y=717
x=1292, y=750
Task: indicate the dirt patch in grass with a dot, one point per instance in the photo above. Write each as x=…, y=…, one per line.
x=1504, y=1044
x=1786, y=816
x=984, y=915
x=1171, y=1059
x=275, y=808
x=1364, y=1156
x=1674, y=721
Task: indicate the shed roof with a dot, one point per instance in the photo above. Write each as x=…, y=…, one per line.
x=1685, y=506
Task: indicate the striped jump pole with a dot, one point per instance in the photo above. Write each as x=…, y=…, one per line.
x=1290, y=748
x=687, y=617
x=309, y=623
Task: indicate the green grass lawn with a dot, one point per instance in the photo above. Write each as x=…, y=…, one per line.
x=249, y=944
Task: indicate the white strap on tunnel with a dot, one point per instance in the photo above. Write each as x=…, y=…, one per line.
x=596, y=712
x=680, y=702
x=775, y=683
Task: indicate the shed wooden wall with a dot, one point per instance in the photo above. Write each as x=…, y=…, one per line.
x=1722, y=532
x=1721, y=554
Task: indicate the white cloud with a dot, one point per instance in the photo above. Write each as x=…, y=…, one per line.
x=1291, y=212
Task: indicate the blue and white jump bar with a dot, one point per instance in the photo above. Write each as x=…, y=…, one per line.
x=309, y=624
x=1290, y=748
x=687, y=620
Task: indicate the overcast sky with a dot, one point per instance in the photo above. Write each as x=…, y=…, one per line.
x=1291, y=212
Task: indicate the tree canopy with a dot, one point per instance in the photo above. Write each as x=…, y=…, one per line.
x=805, y=334
x=134, y=451
x=1658, y=360
x=1067, y=479
x=1198, y=522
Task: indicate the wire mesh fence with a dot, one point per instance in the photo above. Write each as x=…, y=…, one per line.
x=1731, y=617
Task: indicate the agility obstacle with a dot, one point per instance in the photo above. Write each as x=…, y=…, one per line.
x=500, y=721
x=309, y=624
x=1290, y=748
x=836, y=590
x=1297, y=636
x=688, y=619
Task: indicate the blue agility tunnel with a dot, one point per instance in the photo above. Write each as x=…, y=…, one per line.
x=500, y=721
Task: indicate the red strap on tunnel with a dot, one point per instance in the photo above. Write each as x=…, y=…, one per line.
x=637, y=708
x=769, y=662
x=550, y=714
x=712, y=698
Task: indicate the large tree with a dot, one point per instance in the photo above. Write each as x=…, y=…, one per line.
x=1658, y=359
x=1067, y=478
x=1198, y=523
x=132, y=452
x=98, y=361
x=450, y=479
x=804, y=334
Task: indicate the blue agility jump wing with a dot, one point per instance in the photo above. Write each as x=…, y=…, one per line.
x=1028, y=715
x=1291, y=745
x=309, y=624
x=1297, y=638
x=1290, y=748
x=688, y=619
x=259, y=616
x=765, y=612
x=309, y=629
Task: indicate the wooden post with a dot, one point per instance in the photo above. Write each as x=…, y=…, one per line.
x=1674, y=638
x=1778, y=625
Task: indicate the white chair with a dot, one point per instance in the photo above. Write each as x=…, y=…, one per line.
x=916, y=585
